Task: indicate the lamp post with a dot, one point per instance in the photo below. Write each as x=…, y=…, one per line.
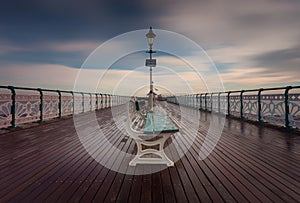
x=151, y=63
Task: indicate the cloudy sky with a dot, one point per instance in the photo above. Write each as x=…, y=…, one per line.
x=253, y=43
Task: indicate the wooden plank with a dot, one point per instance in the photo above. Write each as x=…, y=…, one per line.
x=193, y=176
x=239, y=192
x=109, y=158
x=230, y=148
x=105, y=187
x=168, y=192
x=249, y=163
x=34, y=172
x=60, y=177
x=184, y=177
x=146, y=189
x=69, y=191
x=115, y=188
x=156, y=187
x=51, y=171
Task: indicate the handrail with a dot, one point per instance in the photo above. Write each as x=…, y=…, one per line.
x=15, y=103
x=282, y=109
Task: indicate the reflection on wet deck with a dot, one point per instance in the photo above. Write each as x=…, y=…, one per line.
x=249, y=163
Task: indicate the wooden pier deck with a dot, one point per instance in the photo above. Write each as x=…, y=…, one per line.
x=250, y=163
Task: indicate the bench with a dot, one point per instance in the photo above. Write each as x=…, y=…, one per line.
x=150, y=129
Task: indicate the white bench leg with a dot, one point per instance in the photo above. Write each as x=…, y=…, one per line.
x=140, y=159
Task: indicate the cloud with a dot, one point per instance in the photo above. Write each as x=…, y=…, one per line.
x=283, y=60
x=70, y=46
x=68, y=53
x=54, y=46
x=38, y=75
x=263, y=24
x=7, y=48
x=255, y=78
x=252, y=42
x=249, y=27
x=123, y=82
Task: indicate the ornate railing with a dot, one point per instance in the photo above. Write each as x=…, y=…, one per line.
x=278, y=106
x=20, y=105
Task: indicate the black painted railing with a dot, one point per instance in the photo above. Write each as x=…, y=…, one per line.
x=278, y=106
x=20, y=105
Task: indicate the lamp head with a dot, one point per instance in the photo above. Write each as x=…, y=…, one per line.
x=150, y=37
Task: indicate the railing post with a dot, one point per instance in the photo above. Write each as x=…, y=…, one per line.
x=73, y=102
x=197, y=101
x=96, y=101
x=108, y=100
x=211, y=102
x=101, y=102
x=205, y=100
x=287, y=108
x=219, y=105
x=82, y=103
x=13, y=106
x=91, y=104
x=242, y=105
x=193, y=100
x=186, y=100
x=109, y=103
x=259, y=113
x=200, y=102
x=105, y=105
x=228, y=103
x=59, y=104
x=41, y=104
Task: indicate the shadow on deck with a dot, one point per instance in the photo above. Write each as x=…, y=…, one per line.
x=48, y=163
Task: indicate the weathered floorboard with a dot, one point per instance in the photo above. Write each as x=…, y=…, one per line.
x=250, y=163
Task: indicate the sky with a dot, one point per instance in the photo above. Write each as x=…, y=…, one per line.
x=252, y=43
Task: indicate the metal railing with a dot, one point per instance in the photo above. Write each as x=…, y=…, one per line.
x=279, y=106
x=20, y=105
